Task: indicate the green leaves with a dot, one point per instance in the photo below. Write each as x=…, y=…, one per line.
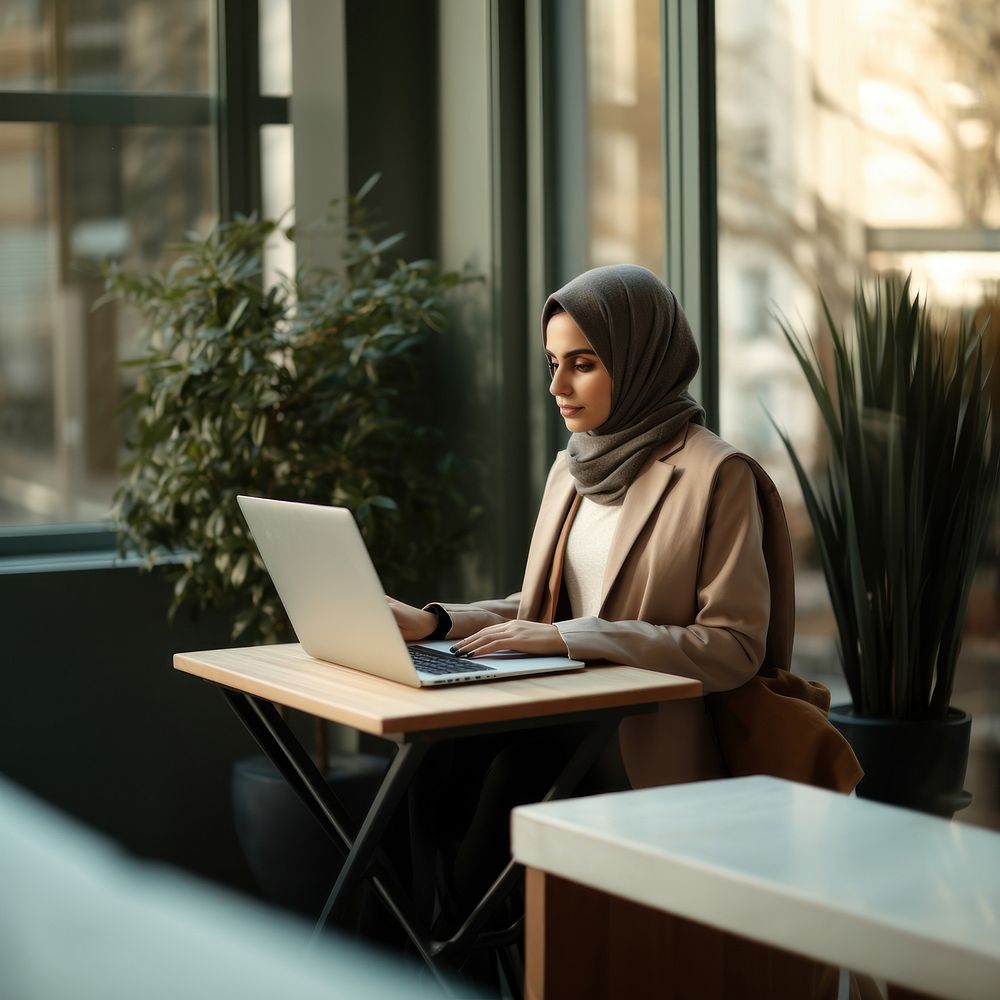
x=300, y=392
x=901, y=512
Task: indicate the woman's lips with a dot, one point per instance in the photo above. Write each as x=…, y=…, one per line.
x=568, y=411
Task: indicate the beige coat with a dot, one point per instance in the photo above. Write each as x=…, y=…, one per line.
x=699, y=583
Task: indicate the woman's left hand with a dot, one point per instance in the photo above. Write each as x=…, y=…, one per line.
x=520, y=636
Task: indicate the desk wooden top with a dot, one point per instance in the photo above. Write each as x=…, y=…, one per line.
x=287, y=675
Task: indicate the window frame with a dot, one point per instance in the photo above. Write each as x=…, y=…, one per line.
x=557, y=171
x=235, y=113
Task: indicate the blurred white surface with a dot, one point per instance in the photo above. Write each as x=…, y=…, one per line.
x=78, y=919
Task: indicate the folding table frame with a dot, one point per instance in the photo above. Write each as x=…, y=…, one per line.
x=365, y=859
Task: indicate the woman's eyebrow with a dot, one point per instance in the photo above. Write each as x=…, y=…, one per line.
x=577, y=352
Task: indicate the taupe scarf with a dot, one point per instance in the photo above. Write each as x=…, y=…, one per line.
x=634, y=323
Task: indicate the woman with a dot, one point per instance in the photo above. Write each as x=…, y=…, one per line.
x=657, y=545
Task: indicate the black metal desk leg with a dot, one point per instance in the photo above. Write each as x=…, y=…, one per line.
x=583, y=759
x=280, y=746
x=392, y=789
x=579, y=763
x=265, y=724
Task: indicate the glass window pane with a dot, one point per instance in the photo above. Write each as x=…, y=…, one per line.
x=624, y=105
x=275, y=47
x=109, y=45
x=70, y=196
x=277, y=198
x=929, y=104
x=23, y=48
x=853, y=139
x=844, y=131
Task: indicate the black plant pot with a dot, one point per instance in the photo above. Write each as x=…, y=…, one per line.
x=920, y=765
x=292, y=859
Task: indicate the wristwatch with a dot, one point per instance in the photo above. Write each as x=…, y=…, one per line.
x=444, y=622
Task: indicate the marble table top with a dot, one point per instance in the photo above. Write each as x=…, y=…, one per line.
x=900, y=895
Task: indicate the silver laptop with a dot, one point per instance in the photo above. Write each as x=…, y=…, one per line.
x=329, y=587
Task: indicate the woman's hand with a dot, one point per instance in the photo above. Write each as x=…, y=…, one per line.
x=520, y=636
x=414, y=623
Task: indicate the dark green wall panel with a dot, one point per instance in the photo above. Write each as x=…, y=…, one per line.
x=94, y=719
x=392, y=114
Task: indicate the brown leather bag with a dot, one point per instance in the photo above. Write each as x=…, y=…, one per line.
x=777, y=724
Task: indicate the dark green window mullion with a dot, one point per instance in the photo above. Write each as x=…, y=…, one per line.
x=105, y=108
x=546, y=433
x=567, y=136
x=559, y=147
x=238, y=88
x=241, y=110
x=509, y=233
x=689, y=167
x=709, y=212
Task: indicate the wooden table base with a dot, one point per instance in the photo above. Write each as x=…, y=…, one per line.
x=581, y=942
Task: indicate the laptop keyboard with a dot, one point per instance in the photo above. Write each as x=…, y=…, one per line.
x=430, y=661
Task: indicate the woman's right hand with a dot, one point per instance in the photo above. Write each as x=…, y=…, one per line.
x=414, y=623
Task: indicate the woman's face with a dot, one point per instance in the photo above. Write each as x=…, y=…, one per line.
x=580, y=382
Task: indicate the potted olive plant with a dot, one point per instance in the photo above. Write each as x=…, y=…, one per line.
x=309, y=390
x=313, y=390
x=900, y=512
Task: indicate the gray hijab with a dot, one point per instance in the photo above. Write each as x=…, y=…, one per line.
x=634, y=323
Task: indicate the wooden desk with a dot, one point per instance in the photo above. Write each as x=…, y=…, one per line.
x=253, y=678
x=287, y=675
x=906, y=897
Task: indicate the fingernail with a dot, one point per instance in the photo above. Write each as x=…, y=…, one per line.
x=454, y=649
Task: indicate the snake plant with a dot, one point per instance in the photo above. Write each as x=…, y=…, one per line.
x=901, y=510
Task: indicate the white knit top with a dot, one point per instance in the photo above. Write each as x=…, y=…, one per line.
x=587, y=555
